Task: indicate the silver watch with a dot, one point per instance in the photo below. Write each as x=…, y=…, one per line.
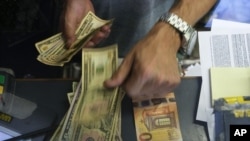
x=189, y=34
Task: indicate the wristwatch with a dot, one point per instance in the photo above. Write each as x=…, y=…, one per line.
x=189, y=34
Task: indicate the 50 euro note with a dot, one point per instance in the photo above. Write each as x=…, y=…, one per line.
x=157, y=119
x=53, y=51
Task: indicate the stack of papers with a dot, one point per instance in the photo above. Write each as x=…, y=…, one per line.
x=224, y=55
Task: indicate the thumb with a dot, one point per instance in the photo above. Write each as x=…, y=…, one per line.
x=69, y=35
x=121, y=73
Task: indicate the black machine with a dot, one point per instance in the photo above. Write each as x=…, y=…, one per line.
x=20, y=118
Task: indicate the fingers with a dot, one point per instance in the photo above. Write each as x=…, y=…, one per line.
x=121, y=74
x=134, y=84
x=73, y=13
x=69, y=35
x=151, y=95
x=167, y=85
x=71, y=21
x=141, y=85
x=99, y=36
x=96, y=39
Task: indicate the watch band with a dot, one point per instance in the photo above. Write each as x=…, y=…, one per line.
x=189, y=34
x=175, y=21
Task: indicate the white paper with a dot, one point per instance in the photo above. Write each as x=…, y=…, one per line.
x=205, y=56
x=4, y=136
x=6, y=133
x=225, y=26
x=193, y=70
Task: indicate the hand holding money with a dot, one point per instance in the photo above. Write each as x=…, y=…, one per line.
x=73, y=13
x=53, y=50
x=100, y=35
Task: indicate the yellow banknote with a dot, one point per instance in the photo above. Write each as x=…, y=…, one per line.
x=157, y=119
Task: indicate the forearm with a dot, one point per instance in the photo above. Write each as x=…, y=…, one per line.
x=192, y=11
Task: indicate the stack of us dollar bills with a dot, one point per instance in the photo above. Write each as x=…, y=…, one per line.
x=95, y=111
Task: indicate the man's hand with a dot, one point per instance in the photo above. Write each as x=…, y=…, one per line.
x=151, y=67
x=73, y=13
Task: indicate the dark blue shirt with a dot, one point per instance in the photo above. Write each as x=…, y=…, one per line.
x=132, y=19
